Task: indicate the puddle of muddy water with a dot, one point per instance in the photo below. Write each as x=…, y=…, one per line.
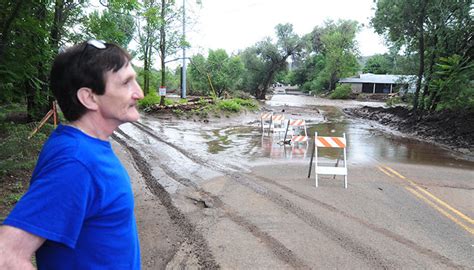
x=245, y=143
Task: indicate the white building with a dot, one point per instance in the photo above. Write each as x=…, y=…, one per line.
x=381, y=84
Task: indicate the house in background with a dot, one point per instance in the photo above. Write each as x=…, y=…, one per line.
x=381, y=84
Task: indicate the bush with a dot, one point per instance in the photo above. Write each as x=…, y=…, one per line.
x=393, y=101
x=241, y=94
x=229, y=105
x=247, y=103
x=150, y=99
x=342, y=91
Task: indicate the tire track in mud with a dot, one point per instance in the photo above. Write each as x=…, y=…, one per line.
x=395, y=237
x=191, y=236
x=365, y=253
x=277, y=247
x=183, y=151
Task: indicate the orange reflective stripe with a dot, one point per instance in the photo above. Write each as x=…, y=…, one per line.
x=338, y=142
x=324, y=142
x=335, y=142
x=278, y=117
x=266, y=116
x=299, y=138
x=297, y=123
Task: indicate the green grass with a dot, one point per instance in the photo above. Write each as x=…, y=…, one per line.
x=17, y=152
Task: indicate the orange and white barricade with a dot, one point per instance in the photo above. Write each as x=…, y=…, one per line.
x=299, y=146
x=331, y=142
x=296, y=128
x=265, y=119
x=277, y=125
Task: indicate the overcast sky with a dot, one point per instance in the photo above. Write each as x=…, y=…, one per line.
x=237, y=24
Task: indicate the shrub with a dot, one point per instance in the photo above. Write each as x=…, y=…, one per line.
x=247, y=103
x=393, y=101
x=229, y=105
x=241, y=94
x=342, y=91
x=150, y=99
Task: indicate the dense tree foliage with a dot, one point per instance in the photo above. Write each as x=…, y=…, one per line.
x=264, y=60
x=378, y=64
x=435, y=30
x=117, y=26
x=330, y=53
x=430, y=38
x=217, y=74
x=33, y=31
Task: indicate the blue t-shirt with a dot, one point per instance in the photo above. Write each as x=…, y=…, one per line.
x=80, y=200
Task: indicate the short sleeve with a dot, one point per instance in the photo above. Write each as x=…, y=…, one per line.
x=55, y=205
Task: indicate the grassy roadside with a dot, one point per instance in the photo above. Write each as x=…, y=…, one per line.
x=204, y=108
x=18, y=155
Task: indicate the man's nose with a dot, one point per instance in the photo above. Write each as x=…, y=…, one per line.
x=138, y=93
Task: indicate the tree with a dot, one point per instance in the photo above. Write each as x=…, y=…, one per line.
x=147, y=27
x=339, y=51
x=31, y=36
x=330, y=53
x=266, y=59
x=432, y=29
x=170, y=37
x=453, y=86
x=115, y=26
x=378, y=64
x=220, y=70
x=224, y=71
x=198, y=75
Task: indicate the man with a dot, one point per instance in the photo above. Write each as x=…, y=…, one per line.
x=78, y=211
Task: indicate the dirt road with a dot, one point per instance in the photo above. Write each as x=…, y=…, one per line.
x=206, y=197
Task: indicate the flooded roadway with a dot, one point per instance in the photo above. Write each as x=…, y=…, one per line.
x=366, y=141
x=257, y=187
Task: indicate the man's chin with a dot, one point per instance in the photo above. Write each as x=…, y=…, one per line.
x=134, y=117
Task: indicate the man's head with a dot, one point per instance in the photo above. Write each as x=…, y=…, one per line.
x=87, y=65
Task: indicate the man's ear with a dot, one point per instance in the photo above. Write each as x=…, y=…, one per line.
x=87, y=98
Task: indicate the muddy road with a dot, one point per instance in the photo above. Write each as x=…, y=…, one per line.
x=218, y=194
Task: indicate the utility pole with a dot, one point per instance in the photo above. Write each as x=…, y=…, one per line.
x=183, y=72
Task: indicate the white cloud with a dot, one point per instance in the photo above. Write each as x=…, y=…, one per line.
x=237, y=24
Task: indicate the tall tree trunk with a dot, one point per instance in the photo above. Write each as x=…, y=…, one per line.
x=163, y=48
x=426, y=88
x=5, y=34
x=421, y=51
x=58, y=22
x=146, y=66
x=38, y=92
x=276, y=66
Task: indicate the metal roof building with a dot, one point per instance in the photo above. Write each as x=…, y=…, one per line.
x=376, y=83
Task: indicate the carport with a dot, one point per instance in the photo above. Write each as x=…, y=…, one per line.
x=380, y=84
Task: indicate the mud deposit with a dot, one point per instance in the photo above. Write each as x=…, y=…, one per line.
x=454, y=130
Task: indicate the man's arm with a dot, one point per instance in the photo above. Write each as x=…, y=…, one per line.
x=17, y=248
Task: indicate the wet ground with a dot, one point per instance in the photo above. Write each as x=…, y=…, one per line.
x=243, y=139
x=241, y=199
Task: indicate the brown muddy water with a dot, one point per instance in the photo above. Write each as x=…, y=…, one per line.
x=244, y=144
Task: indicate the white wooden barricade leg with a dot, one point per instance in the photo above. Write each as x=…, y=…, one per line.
x=331, y=142
x=265, y=118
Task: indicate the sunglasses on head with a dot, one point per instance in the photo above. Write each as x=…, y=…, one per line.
x=98, y=44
